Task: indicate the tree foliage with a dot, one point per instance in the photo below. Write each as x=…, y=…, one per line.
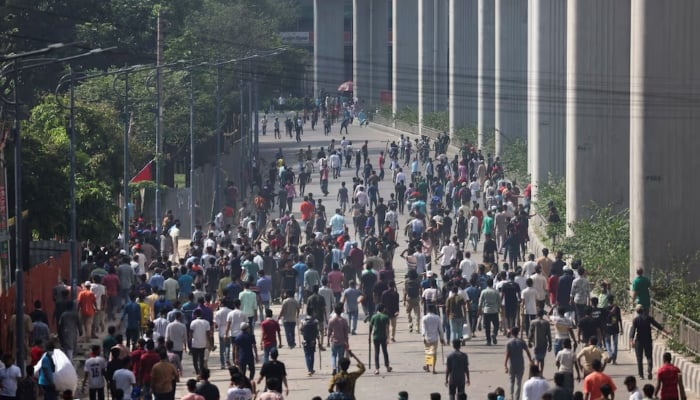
x=602, y=243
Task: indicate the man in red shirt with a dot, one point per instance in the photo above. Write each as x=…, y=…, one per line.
x=111, y=284
x=669, y=381
x=596, y=379
x=269, y=341
x=86, y=305
x=148, y=359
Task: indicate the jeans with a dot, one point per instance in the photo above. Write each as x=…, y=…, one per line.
x=132, y=336
x=249, y=365
x=642, y=349
x=454, y=389
x=491, y=320
x=337, y=351
x=580, y=311
x=309, y=353
x=380, y=343
x=224, y=350
x=197, y=359
x=112, y=307
x=456, y=327
x=611, y=345
x=290, y=333
x=516, y=381
x=527, y=319
x=558, y=346
x=352, y=316
x=266, y=353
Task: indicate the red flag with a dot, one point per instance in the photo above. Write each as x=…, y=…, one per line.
x=143, y=175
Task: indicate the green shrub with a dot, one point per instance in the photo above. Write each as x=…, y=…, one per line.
x=553, y=190
x=437, y=120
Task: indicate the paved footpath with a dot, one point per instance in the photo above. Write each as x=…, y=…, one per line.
x=406, y=355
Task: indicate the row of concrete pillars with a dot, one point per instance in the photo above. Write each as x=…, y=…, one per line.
x=606, y=92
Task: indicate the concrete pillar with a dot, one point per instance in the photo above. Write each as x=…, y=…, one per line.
x=441, y=44
x=664, y=125
x=379, y=73
x=361, y=48
x=404, y=54
x=597, y=110
x=510, y=71
x=329, y=50
x=486, y=64
x=426, y=59
x=370, y=60
x=463, y=16
x=546, y=124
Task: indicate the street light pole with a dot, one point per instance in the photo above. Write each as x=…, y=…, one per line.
x=73, y=211
x=19, y=263
x=127, y=123
x=192, y=219
x=217, y=180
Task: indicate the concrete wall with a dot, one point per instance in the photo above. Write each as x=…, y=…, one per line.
x=510, y=71
x=329, y=47
x=597, y=112
x=664, y=138
x=405, y=54
x=463, y=42
x=546, y=124
x=485, y=69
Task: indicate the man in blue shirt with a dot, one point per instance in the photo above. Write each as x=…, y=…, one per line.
x=132, y=314
x=185, y=284
x=46, y=373
x=301, y=268
x=156, y=281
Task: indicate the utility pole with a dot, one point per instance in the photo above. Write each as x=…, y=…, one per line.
x=73, y=212
x=159, y=113
x=217, y=175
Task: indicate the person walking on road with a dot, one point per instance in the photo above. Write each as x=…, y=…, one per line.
x=669, y=381
x=640, y=289
x=489, y=303
x=641, y=339
x=338, y=336
x=349, y=377
x=595, y=380
x=379, y=335
x=515, y=362
x=431, y=329
x=456, y=370
x=535, y=387
x=540, y=336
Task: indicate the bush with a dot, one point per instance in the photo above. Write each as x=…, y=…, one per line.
x=553, y=190
x=466, y=135
x=602, y=243
x=437, y=120
x=386, y=111
x=515, y=159
x=408, y=115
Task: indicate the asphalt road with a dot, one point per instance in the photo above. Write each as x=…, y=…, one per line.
x=406, y=355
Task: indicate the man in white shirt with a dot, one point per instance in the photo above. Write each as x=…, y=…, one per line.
x=400, y=177
x=100, y=292
x=529, y=266
x=431, y=329
x=473, y=230
x=176, y=332
x=539, y=282
x=125, y=380
x=94, y=373
x=199, y=331
x=447, y=254
x=468, y=266
x=529, y=296
x=234, y=320
x=337, y=223
x=335, y=165
x=220, y=317
x=160, y=325
x=631, y=385
x=536, y=386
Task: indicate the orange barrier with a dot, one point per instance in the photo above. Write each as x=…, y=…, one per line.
x=38, y=284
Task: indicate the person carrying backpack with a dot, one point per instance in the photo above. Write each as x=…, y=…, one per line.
x=310, y=334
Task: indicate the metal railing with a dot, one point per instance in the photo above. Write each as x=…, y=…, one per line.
x=685, y=331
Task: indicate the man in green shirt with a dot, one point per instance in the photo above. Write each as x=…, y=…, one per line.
x=487, y=224
x=640, y=289
x=249, y=303
x=379, y=334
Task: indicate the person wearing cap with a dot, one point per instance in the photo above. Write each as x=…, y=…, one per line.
x=641, y=339
x=87, y=305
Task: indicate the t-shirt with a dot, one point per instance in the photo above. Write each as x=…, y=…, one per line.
x=207, y=390
x=239, y=394
x=587, y=355
x=270, y=328
x=534, y=388
x=379, y=323
x=565, y=358
x=220, y=320
x=458, y=363
x=9, y=376
x=640, y=285
x=351, y=295
x=668, y=376
x=86, y=303
x=562, y=326
x=94, y=367
x=198, y=329
x=515, y=348
x=125, y=380
x=245, y=343
x=587, y=327
x=593, y=382
x=273, y=369
x=529, y=296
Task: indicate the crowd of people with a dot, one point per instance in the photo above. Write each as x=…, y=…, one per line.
x=322, y=272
